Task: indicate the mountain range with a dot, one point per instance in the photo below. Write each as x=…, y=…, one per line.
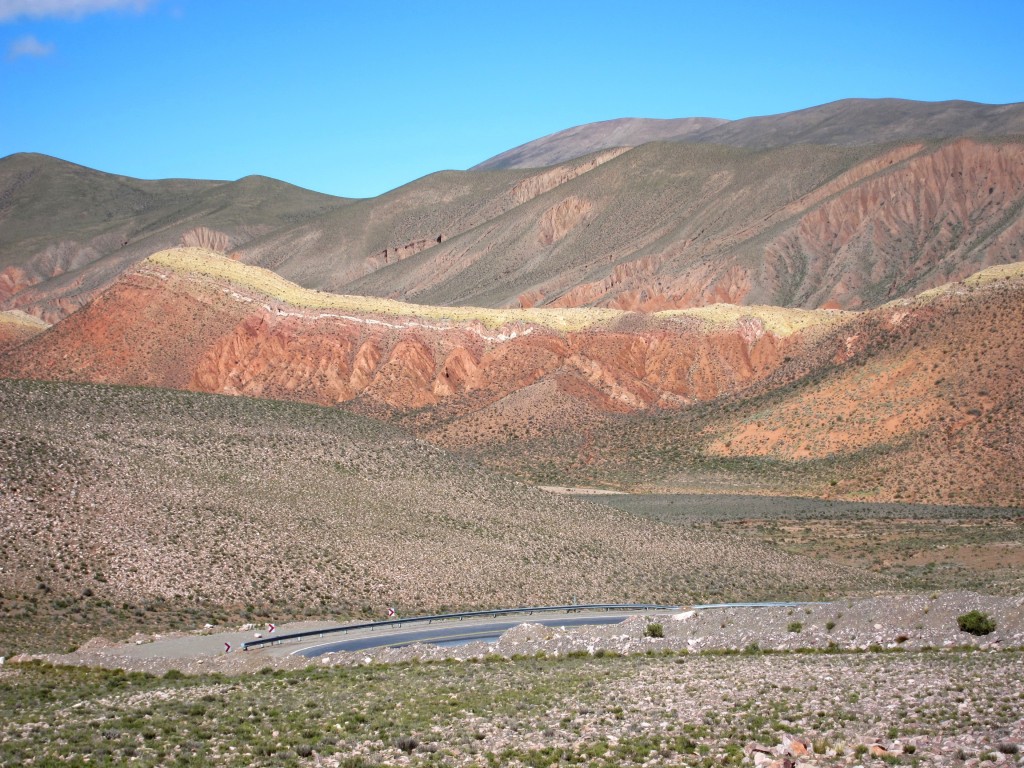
x=896, y=202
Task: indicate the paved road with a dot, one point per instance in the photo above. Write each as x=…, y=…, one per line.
x=462, y=631
x=471, y=629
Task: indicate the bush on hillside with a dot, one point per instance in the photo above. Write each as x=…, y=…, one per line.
x=976, y=623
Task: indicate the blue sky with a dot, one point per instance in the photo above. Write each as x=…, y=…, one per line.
x=355, y=98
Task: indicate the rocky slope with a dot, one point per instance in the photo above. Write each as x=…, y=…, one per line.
x=664, y=225
x=119, y=502
x=191, y=319
x=675, y=226
x=918, y=398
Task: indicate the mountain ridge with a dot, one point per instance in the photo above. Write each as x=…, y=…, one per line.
x=845, y=122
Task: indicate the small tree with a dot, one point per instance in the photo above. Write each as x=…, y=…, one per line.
x=654, y=630
x=976, y=623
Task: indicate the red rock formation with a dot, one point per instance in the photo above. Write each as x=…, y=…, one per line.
x=165, y=328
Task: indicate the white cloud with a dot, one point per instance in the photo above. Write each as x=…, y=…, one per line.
x=65, y=9
x=29, y=45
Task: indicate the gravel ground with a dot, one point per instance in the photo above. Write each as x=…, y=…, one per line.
x=908, y=621
x=939, y=697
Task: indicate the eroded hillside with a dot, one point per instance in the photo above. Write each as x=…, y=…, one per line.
x=920, y=398
x=659, y=226
x=191, y=319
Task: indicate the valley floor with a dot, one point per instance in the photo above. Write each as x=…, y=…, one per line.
x=947, y=708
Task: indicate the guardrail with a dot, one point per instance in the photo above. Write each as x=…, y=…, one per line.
x=372, y=625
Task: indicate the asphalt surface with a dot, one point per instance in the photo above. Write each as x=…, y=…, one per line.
x=461, y=631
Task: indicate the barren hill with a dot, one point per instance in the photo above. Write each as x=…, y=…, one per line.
x=848, y=122
x=683, y=225
x=571, y=143
x=120, y=504
x=740, y=393
x=191, y=319
x=67, y=231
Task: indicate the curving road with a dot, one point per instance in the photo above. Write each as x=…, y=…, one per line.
x=463, y=632
x=456, y=632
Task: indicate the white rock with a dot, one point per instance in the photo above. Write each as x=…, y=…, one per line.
x=683, y=616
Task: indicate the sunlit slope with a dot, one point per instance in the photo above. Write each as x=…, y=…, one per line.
x=17, y=327
x=682, y=225
x=203, y=505
x=191, y=319
x=919, y=400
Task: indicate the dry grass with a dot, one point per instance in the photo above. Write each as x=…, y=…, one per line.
x=204, y=263
x=780, y=321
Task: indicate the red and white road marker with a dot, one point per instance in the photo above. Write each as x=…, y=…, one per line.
x=271, y=628
x=227, y=647
x=391, y=612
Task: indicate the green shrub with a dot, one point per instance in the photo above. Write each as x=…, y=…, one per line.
x=794, y=626
x=830, y=625
x=976, y=623
x=654, y=630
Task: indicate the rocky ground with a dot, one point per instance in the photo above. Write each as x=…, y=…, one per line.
x=782, y=710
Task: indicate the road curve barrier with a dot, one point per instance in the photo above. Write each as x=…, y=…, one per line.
x=495, y=613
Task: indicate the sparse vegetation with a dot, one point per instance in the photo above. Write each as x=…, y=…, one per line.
x=654, y=629
x=202, y=509
x=588, y=709
x=976, y=623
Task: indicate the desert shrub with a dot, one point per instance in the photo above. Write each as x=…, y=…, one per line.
x=407, y=744
x=830, y=625
x=976, y=623
x=1008, y=748
x=654, y=630
x=794, y=626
